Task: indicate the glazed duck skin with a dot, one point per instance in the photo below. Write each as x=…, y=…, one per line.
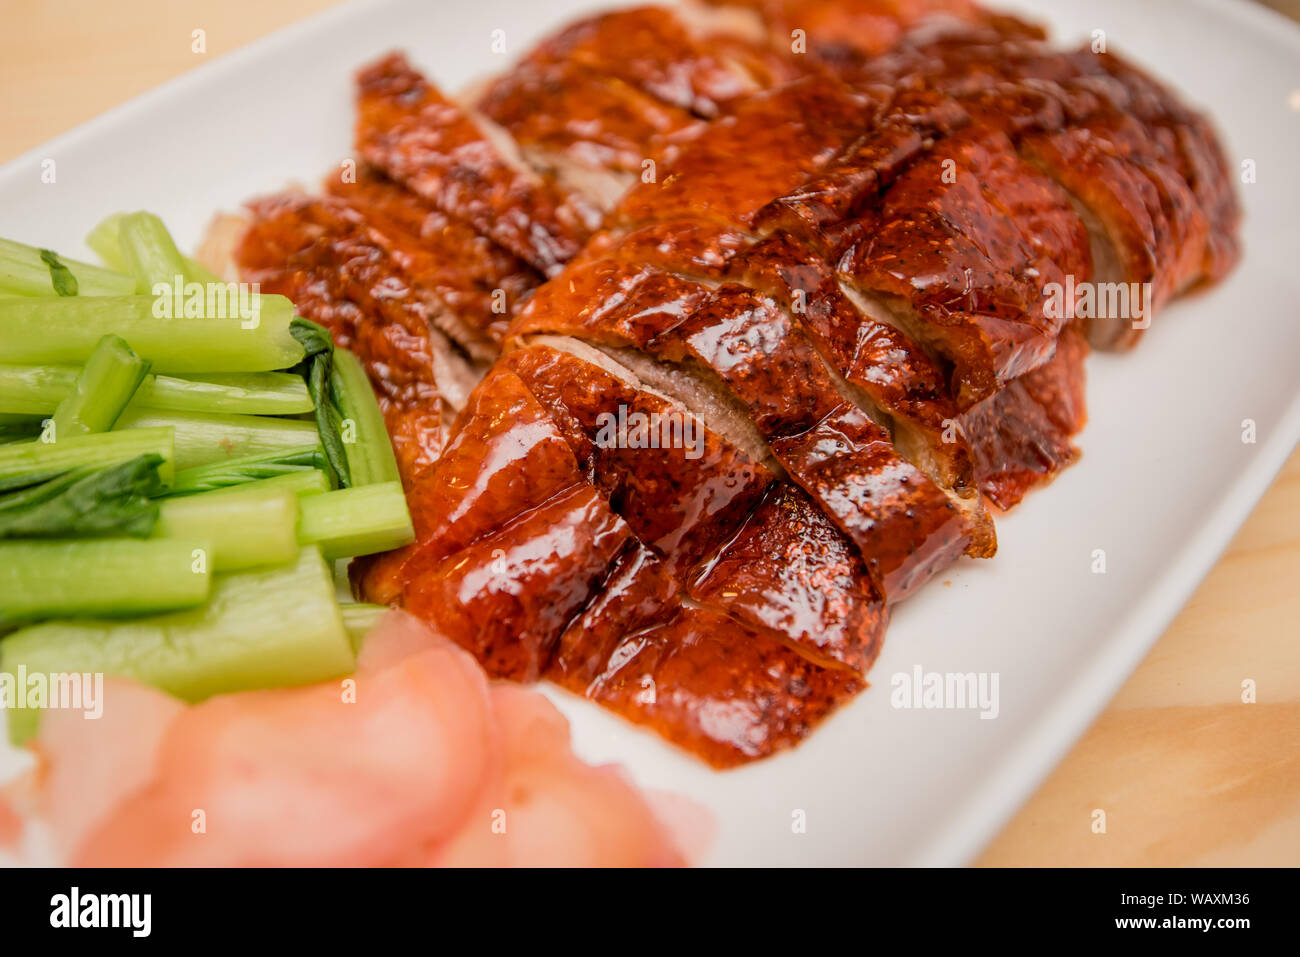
x=419, y=138
x=791, y=572
x=321, y=254
x=833, y=280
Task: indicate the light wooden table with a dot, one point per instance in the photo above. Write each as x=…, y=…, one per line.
x=1186, y=773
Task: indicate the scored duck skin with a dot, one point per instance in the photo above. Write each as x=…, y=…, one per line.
x=858, y=400
x=407, y=129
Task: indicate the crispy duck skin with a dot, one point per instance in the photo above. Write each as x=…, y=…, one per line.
x=468, y=271
x=321, y=254
x=767, y=145
x=680, y=503
x=836, y=275
x=791, y=572
x=838, y=31
x=508, y=597
x=941, y=256
x=411, y=132
x=654, y=50
x=885, y=365
x=1021, y=437
x=728, y=693
x=1146, y=172
x=592, y=132
x=907, y=528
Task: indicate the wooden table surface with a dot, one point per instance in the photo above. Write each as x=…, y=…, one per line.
x=1186, y=772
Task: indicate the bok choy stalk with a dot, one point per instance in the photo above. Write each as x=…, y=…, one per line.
x=35, y=331
x=37, y=390
x=247, y=468
x=101, y=390
x=28, y=271
x=203, y=439
x=243, y=527
x=148, y=251
x=30, y=462
x=110, y=576
x=260, y=629
x=356, y=521
x=365, y=437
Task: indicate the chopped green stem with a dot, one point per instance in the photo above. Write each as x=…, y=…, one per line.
x=359, y=618
x=105, y=240
x=365, y=437
x=356, y=521
x=112, y=577
x=265, y=628
x=28, y=334
x=203, y=439
x=101, y=390
x=37, y=390
x=148, y=252
x=28, y=271
x=298, y=482
x=248, y=468
x=243, y=527
x=27, y=463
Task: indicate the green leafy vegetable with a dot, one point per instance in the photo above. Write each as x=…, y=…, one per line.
x=86, y=502
x=28, y=463
x=370, y=451
x=248, y=468
x=27, y=271
x=61, y=278
x=316, y=367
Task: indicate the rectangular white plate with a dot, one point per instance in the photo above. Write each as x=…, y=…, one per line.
x=1164, y=482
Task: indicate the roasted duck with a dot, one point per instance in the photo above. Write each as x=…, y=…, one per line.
x=705, y=335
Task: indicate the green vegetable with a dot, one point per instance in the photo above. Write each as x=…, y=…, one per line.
x=37, y=331
x=247, y=468
x=243, y=527
x=112, y=576
x=260, y=629
x=85, y=502
x=298, y=482
x=27, y=463
x=37, y=390
x=316, y=366
x=359, y=618
x=101, y=391
x=356, y=521
x=365, y=437
x=61, y=278
x=202, y=439
x=148, y=252
x=28, y=271
x=105, y=240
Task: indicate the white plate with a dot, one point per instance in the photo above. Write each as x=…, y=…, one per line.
x=1164, y=482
